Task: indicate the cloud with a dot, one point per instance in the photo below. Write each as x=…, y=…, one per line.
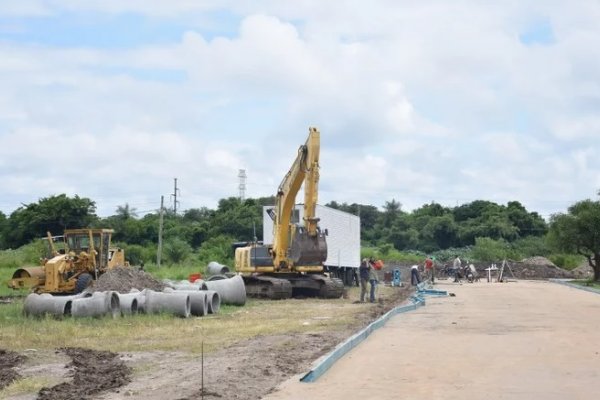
x=412, y=104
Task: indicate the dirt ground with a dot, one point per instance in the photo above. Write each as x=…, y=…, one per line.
x=516, y=340
x=246, y=370
x=9, y=360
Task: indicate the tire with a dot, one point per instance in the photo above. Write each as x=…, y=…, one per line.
x=83, y=281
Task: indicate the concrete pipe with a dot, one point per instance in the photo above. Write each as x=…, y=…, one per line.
x=97, y=305
x=198, y=300
x=130, y=303
x=231, y=290
x=214, y=268
x=197, y=285
x=41, y=304
x=173, y=303
x=213, y=301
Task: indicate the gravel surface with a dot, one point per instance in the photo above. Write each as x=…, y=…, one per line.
x=122, y=280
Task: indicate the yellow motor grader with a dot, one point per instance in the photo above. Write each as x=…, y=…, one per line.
x=83, y=255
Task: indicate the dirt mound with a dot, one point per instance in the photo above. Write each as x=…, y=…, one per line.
x=93, y=372
x=537, y=260
x=583, y=271
x=8, y=361
x=536, y=270
x=122, y=280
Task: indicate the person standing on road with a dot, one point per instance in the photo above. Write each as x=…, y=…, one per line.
x=415, y=277
x=363, y=272
x=429, y=268
x=373, y=280
x=456, y=266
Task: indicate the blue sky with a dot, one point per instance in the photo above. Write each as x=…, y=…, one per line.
x=416, y=101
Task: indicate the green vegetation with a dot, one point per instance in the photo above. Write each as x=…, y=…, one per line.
x=477, y=231
x=578, y=231
x=155, y=332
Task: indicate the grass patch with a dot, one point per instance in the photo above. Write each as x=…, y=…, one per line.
x=587, y=283
x=31, y=384
x=168, y=333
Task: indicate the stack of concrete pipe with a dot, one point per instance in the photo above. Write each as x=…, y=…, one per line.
x=98, y=304
x=81, y=305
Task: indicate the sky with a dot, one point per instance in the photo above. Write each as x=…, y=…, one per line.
x=443, y=101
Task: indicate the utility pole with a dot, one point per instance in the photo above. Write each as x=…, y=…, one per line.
x=160, y=231
x=174, y=196
x=242, y=186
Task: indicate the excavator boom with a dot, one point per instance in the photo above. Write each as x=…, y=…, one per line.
x=295, y=259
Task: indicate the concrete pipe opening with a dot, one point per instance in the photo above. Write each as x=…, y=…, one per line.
x=97, y=305
x=213, y=301
x=231, y=290
x=38, y=305
x=214, y=268
x=130, y=303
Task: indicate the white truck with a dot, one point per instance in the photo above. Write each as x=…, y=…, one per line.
x=343, y=239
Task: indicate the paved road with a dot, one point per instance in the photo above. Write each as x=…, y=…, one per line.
x=517, y=340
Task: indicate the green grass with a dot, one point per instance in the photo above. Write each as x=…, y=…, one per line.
x=587, y=283
x=27, y=385
x=168, y=333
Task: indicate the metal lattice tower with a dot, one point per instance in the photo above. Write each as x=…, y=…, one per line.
x=242, y=185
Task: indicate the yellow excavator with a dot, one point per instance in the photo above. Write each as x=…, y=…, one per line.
x=293, y=264
x=83, y=255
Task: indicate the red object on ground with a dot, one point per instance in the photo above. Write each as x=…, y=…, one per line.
x=194, y=277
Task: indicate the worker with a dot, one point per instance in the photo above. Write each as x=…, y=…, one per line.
x=456, y=266
x=373, y=279
x=363, y=271
x=429, y=268
x=415, y=277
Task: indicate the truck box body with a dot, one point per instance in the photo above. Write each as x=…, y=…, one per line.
x=343, y=238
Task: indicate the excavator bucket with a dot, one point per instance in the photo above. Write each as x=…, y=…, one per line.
x=306, y=249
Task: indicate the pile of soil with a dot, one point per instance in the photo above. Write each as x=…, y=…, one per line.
x=583, y=271
x=93, y=372
x=538, y=260
x=537, y=268
x=532, y=271
x=124, y=279
x=9, y=360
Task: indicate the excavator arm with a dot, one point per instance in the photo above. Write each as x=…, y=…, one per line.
x=294, y=262
x=305, y=244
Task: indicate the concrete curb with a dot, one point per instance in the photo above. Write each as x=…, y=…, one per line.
x=325, y=362
x=575, y=286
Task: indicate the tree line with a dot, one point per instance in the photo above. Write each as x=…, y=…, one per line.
x=210, y=232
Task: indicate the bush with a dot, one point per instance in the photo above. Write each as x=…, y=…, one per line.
x=28, y=254
x=176, y=250
x=566, y=261
x=487, y=249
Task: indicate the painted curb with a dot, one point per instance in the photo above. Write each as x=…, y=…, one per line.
x=575, y=286
x=327, y=361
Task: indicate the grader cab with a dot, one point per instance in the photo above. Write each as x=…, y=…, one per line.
x=74, y=260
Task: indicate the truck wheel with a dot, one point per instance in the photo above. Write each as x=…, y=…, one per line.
x=83, y=281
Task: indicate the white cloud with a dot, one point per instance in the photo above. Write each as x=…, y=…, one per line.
x=415, y=101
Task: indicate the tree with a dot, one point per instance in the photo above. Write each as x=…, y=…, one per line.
x=392, y=209
x=126, y=212
x=54, y=214
x=578, y=231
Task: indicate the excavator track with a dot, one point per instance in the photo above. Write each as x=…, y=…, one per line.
x=331, y=288
x=263, y=286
